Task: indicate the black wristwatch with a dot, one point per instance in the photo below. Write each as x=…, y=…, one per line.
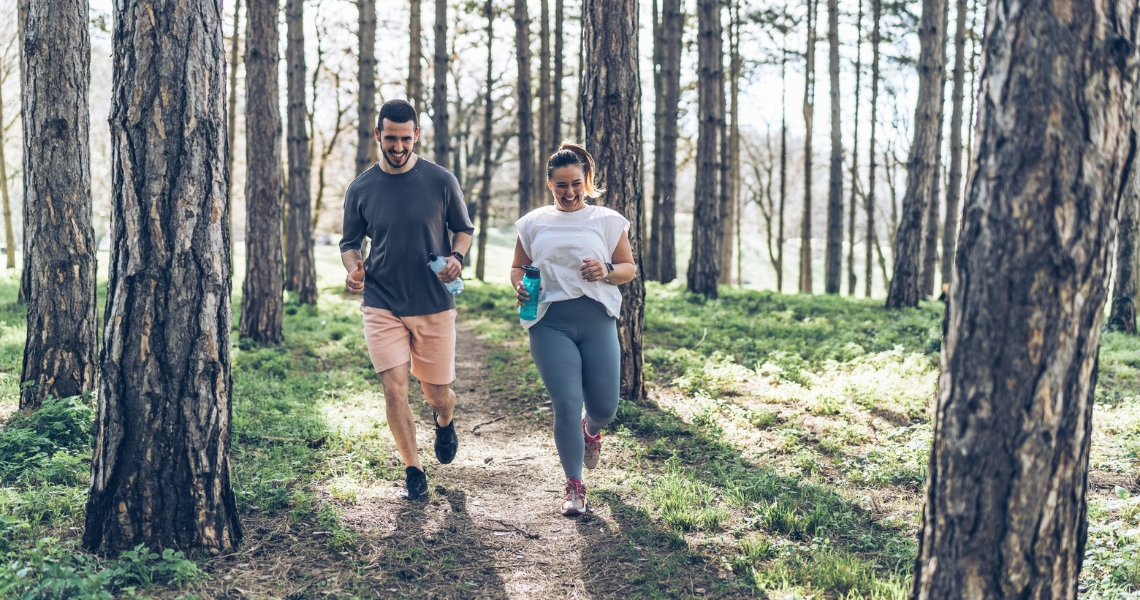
x=609, y=271
x=458, y=256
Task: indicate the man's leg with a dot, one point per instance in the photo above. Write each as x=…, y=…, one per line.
x=441, y=399
x=399, y=414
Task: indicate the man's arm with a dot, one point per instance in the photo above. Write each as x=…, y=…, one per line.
x=460, y=243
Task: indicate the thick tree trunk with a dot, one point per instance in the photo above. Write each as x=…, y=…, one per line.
x=525, y=116
x=9, y=232
x=809, y=114
x=415, y=56
x=833, y=255
x=1124, y=289
x=873, y=168
x=366, y=151
x=441, y=134
x=160, y=472
x=60, y=354
x=954, y=187
x=231, y=123
x=611, y=109
x=21, y=25
x=1005, y=512
x=851, y=279
x=300, y=269
x=488, y=161
x=261, y=301
x=906, y=283
x=664, y=227
x=704, y=262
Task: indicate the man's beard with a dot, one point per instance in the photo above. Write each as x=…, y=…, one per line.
x=388, y=159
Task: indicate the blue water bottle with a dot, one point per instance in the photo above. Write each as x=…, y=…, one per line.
x=531, y=281
x=438, y=263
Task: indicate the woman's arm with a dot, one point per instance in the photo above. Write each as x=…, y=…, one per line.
x=520, y=260
x=625, y=270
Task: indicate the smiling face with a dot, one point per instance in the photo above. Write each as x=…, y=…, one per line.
x=568, y=184
x=397, y=142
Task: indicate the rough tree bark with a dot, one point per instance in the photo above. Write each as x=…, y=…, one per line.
x=488, y=161
x=525, y=116
x=415, y=56
x=852, y=281
x=662, y=233
x=261, y=301
x=833, y=252
x=440, y=135
x=873, y=167
x=366, y=150
x=704, y=261
x=611, y=109
x=60, y=354
x=809, y=114
x=1005, y=512
x=1124, y=289
x=300, y=269
x=160, y=472
x=954, y=187
x=231, y=123
x=906, y=283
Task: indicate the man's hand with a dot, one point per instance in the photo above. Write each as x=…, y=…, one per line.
x=354, y=283
x=452, y=271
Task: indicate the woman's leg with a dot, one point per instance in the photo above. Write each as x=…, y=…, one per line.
x=601, y=368
x=556, y=356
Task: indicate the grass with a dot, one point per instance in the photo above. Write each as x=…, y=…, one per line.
x=784, y=451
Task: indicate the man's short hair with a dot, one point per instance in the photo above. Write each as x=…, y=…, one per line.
x=397, y=111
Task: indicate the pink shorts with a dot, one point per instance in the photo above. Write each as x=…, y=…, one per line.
x=429, y=340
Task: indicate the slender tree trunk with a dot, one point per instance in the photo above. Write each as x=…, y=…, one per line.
x=559, y=48
x=906, y=283
x=783, y=153
x=809, y=113
x=704, y=262
x=525, y=117
x=300, y=268
x=736, y=65
x=833, y=256
x=664, y=231
x=366, y=151
x=60, y=353
x=488, y=161
x=9, y=232
x=1127, y=241
x=724, y=195
x=653, y=251
x=441, y=135
x=954, y=189
x=235, y=56
x=160, y=471
x=21, y=25
x=930, y=226
x=261, y=301
x=611, y=107
x=545, y=142
x=872, y=169
x=581, y=69
x=1006, y=513
x=851, y=279
x=415, y=56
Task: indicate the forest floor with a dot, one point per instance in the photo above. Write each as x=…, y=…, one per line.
x=780, y=454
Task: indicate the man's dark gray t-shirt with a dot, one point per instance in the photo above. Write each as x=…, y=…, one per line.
x=407, y=216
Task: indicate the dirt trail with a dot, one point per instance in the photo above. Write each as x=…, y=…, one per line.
x=490, y=529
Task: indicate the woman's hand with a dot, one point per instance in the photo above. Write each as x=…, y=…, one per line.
x=593, y=269
x=521, y=294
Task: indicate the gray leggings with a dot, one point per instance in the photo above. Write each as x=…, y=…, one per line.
x=575, y=347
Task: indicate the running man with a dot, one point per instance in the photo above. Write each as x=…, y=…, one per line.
x=406, y=204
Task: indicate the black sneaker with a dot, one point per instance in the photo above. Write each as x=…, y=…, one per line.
x=416, y=482
x=446, y=442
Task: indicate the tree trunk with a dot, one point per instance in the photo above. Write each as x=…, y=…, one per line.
x=611, y=109
x=581, y=69
x=930, y=226
x=851, y=279
x=724, y=195
x=1127, y=240
x=1005, y=512
x=441, y=135
x=664, y=213
x=231, y=127
x=60, y=354
x=833, y=256
x=954, y=188
x=488, y=161
x=415, y=56
x=21, y=26
x=735, y=68
x=525, y=117
x=872, y=169
x=704, y=262
x=809, y=113
x=9, y=232
x=783, y=153
x=545, y=142
x=366, y=151
x=559, y=48
x=300, y=269
x=160, y=471
x=906, y=283
x=261, y=301
x=653, y=250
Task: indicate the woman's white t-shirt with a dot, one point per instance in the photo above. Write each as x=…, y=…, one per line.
x=557, y=242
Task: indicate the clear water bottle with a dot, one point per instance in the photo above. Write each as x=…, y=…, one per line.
x=437, y=264
x=531, y=281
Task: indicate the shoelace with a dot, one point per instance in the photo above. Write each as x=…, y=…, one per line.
x=575, y=490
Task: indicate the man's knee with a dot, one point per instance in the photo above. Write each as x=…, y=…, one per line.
x=395, y=383
x=435, y=392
